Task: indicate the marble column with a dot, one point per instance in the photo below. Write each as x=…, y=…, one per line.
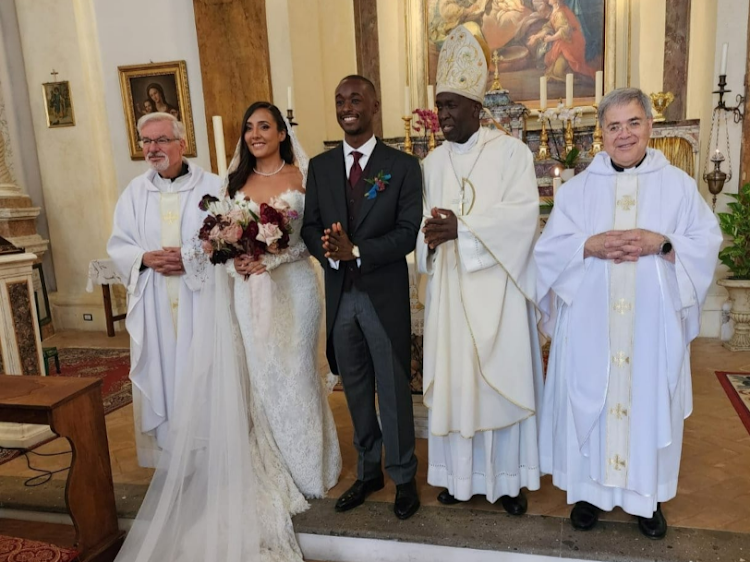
x=676, y=48
x=20, y=341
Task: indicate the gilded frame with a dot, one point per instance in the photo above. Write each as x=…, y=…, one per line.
x=172, y=82
x=63, y=114
x=417, y=48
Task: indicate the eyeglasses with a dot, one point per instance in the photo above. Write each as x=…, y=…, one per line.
x=161, y=141
x=632, y=126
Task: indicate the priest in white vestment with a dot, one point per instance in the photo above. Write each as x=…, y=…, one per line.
x=482, y=363
x=623, y=268
x=154, y=246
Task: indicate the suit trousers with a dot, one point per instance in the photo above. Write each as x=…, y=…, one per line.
x=365, y=359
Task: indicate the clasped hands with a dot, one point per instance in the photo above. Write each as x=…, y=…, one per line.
x=336, y=243
x=167, y=261
x=247, y=265
x=443, y=226
x=624, y=245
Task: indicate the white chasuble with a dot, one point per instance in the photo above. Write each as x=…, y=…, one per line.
x=160, y=332
x=618, y=383
x=482, y=366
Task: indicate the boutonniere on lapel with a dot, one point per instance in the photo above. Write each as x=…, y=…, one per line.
x=378, y=183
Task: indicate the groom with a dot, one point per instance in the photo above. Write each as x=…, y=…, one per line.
x=363, y=209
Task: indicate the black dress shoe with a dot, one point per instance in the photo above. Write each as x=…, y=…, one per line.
x=355, y=496
x=407, y=500
x=515, y=506
x=446, y=498
x=584, y=516
x=654, y=527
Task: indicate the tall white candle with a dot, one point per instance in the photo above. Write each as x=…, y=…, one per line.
x=407, y=102
x=556, y=182
x=430, y=97
x=289, y=100
x=221, y=153
x=599, y=86
x=724, y=48
x=568, y=90
x=542, y=93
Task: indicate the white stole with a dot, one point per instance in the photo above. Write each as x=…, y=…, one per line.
x=621, y=326
x=169, y=207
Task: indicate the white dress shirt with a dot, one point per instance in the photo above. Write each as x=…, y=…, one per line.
x=366, y=151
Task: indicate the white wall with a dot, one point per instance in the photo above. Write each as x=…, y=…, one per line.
x=135, y=32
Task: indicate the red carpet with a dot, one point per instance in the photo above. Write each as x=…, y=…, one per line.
x=737, y=387
x=110, y=365
x=23, y=550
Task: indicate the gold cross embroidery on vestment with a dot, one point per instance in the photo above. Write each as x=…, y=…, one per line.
x=622, y=306
x=620, y=359
x=617, y=463
x=170, y=217
x=626, y=202
x=619, y=412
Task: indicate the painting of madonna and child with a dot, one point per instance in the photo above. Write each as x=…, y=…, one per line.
x=531, y=38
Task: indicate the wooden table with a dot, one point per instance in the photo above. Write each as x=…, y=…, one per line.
x=72, y=407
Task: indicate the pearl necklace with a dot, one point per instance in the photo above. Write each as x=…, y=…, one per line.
x=270, y=173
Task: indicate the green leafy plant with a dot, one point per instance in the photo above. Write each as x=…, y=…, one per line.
x=571, y=158
x=736, y=223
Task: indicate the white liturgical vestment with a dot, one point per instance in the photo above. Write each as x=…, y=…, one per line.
x=153, y=213
x=481, y=349
x=618, y=382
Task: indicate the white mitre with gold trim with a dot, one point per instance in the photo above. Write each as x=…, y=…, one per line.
x=463, y=65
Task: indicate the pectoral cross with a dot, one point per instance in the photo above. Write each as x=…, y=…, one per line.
x=620, y=359
x=619, y=412
x=170, y=217
x=462, y=196
x=617, y=463
x=626, y=202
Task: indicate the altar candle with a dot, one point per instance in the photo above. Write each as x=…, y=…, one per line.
x=431, y=97
x=542, y=93
x=289, y=104
x=221, y=153
x=556, y=182
x=407, y=102
x=568, y=90
x=599, y=86
x=724, y=48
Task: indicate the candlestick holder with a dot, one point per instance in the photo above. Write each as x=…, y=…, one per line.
x=598, y=142
x=431, y=142
x=290, y=117
x=543, y=153
x=496, y=58
x=408, y=146
x=569, y=145
x=736, y=111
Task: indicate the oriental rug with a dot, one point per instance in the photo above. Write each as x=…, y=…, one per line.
x=13, y=549
x=737, y=387
x=112, y=366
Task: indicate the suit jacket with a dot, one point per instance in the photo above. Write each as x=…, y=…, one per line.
x=386, y=231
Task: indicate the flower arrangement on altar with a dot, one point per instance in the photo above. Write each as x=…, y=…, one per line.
x=233, y=229
x=427, y=121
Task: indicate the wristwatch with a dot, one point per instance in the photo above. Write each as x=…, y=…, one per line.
x=666, y=247
x=355, y=251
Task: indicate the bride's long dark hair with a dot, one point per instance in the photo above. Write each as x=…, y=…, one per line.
x=238, y=178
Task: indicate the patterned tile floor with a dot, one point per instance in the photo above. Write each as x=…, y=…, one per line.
x=714, y=488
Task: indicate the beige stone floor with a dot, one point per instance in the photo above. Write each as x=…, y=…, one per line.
x=714, y=489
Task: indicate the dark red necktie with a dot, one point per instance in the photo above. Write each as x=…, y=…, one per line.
x=355, y=174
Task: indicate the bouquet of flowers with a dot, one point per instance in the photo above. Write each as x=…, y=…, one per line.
x=233, y=229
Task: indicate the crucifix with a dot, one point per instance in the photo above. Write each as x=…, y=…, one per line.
x=54, y=74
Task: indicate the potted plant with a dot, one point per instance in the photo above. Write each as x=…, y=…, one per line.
x=736, y=256
x=569, y=163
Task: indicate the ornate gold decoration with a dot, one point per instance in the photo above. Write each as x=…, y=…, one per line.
x=661, y=100
x=170, y=217
x=619, y=412
x=496, y=58
x=408, y=146
x=462, y=65
x=620, y=359
x=622, y=306
x=431, y=142
x=543, y=153
x=569, y=145
x=678, y=151
x=597, y=144
x=617, y=462
x=626, y=202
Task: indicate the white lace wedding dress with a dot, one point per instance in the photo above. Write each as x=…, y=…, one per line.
x=279, y=315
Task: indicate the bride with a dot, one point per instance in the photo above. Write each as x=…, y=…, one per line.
x=223, y=490
x=280, y=313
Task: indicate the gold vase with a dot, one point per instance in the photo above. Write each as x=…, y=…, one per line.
x=661, y=101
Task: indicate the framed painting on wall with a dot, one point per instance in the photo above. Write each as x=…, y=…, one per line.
x=527, y=38
x=58, y=104
x=156, y=87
